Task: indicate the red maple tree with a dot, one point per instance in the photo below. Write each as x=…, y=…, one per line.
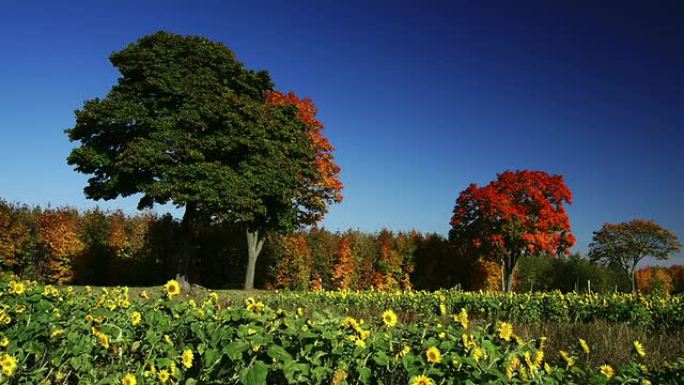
x=520, y=213
x=327, y=187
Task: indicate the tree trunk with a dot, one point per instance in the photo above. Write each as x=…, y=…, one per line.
x=187, y=227
x=510, y=265
x=632, y=279
x=503, y=274
x=254, y=245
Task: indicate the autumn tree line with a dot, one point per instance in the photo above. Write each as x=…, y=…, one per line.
x=64, y=245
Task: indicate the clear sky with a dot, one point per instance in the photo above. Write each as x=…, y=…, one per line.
x=419, y=98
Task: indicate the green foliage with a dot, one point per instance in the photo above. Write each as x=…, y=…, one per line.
x=574, y=273
x=187, y=123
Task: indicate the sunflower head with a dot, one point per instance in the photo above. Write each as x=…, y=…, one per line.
x=172, y=288
x=136, y=318
x=505, y=331
x=163, y=376
x=129, y=379
x=584, y=346
x=607, y=371
x=389, y=318
x=421, y=380
x=639, y=349
x=433, y=355
x=187, y=357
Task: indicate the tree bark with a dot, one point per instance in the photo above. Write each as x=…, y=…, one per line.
x=254, y=245
x=185, y=255
x=509, y=264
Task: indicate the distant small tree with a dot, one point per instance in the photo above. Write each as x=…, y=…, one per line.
x=521, y=213
x=626, y=244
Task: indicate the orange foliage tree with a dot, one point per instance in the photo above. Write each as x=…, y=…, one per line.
x=293, y=267
x=13, y=234
x=520, y=213
x=343, y=273
x=117, y=240
x=485, y=275
x=651, y=279
x=59, y=236
x=654, y=280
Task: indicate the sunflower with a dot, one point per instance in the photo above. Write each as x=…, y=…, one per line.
x=186, y=358
x=16, y=287
x=584, y=346
x=462, y=318
x=57, y=333
x=433, y=355
x=639, y=349
x=389, y=318
x=505, y=331
x=421, y=380
x=568, y=359
x=478, y=353
x=172, y=288
x=8, y=364
x=607, y=371
x=129, y=379
x=136, y=317
x=163, y=376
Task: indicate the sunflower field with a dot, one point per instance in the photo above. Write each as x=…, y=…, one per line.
x=67, y=335
x=650, y=311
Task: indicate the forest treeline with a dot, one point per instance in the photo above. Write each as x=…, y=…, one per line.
x=96, y=247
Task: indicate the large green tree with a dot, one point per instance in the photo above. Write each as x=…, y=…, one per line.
x=188, y=124
x=625, y=244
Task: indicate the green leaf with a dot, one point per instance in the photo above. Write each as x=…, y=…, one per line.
x=234, y=350
x=256, y=374
x=278, y=353
x=364, y=375
x=381, y=359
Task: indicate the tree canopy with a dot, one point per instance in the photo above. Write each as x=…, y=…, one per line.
x=625, y=244
x=187, y=123
x=520, y=213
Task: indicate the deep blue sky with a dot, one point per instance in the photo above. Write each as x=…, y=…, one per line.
x=420, y=99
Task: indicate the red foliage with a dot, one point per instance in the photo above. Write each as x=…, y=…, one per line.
x=522, y=209
x=329, y=186
x=520, y=213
